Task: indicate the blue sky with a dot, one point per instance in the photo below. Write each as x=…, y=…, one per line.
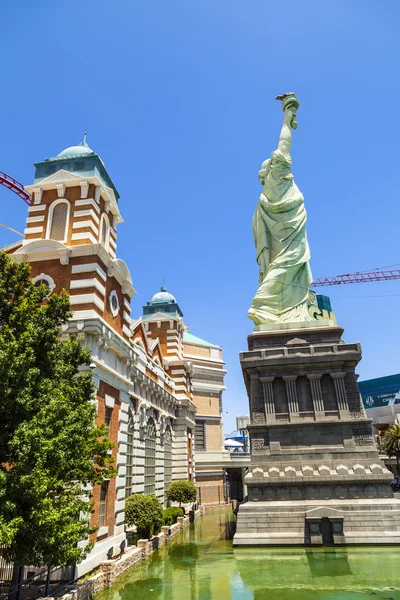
x=178, y=99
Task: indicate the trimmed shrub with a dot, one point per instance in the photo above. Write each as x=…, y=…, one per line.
x=171, y=514
x=182, y=491
x=145, y=512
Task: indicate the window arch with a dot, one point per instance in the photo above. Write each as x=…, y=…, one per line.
x=150, y=458
x=167, y=460
x=57, y=226
x=46, y=280
x=105, y=231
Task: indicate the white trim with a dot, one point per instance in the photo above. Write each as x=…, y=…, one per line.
x=35, y=219
x=85, y=314
x=82, y=224
x=33, y=230
x=85, y=283
x=37, y=207
x=113, y=243
x=127, y=317
x=127, y=331
x=86, y=202
x=114, y=311
x=112, y=253
x=106, y=242
x=87, y=299
x=88, y=268
x=84, y=236
x=87, y=213
x=50, y=219
x=102, y=531
x=127, y=305
x=49, y=280
x=109, y=401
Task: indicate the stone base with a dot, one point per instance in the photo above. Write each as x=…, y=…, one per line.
x=308, y=523
x=315, y=476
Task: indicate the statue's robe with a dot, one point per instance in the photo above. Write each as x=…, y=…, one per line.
x=279, y=229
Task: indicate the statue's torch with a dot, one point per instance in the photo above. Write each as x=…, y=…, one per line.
x=289, y=100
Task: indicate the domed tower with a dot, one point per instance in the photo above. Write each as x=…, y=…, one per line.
x=71, y=236
x=163, y=320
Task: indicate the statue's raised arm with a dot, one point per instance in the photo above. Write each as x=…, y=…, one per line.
x=290, y=104
x=280, y=235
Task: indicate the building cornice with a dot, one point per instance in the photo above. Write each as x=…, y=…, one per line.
x=69, y=179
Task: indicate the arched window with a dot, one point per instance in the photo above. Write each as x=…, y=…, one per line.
x=150, y=458
x=167, y=460
x=57, y=228
x=105, y=231
x=129, y=460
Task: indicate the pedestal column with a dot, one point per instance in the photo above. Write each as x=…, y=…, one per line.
x=291, y=392
x=316, y=392
x=257, y=415
x=269, y=399
x=341, y=396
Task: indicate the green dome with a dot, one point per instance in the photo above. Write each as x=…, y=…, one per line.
x=79, y=150
x=162, y=297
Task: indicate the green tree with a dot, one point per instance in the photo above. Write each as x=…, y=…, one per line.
x=391, y=444
x=144, y=511
x=182, y=491
x=51, y=450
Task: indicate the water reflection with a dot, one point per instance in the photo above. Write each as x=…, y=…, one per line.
x=202, y=565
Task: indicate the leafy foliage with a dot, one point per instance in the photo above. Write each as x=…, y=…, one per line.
x=145, y=512
x=171, y=514
x=391, y=443
x=50, y=448
x=182, y=491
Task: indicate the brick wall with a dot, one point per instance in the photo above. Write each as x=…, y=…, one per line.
x=213, y=436
x=105, y=388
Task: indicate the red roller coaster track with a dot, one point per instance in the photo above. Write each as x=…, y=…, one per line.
x=15, y=186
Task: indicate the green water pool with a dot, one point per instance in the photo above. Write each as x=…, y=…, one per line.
x=201, y=564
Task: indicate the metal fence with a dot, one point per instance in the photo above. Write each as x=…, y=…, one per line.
x=32, y=582
x=213, y=494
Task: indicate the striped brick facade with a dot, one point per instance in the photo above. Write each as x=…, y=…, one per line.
x=74, y=248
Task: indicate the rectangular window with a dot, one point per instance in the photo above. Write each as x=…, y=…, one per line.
x=107, y=419
x=103, y=504
x=129, y=462
x=167, y=461
x=150, y=459
x=200, y=435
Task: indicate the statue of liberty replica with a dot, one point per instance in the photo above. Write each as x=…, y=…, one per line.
x=279, y=229
x=315, y=476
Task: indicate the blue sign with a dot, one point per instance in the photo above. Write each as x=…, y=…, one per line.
x=383, y=391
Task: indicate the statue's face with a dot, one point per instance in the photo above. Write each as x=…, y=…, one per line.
x=263, y=172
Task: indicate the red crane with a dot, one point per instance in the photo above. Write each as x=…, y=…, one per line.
x=361, y=277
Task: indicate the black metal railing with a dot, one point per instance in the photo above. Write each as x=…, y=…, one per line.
x=32, y=582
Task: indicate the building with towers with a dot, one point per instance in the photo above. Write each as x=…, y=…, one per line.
x=71, y=243
x=197, y=368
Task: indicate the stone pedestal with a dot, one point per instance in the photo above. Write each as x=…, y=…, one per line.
x=315, y=475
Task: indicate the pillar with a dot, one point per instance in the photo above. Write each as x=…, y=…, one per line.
x=291, y=392
x=340, y=390
x=256, y=393
x=316, y=392
x=269, y=399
